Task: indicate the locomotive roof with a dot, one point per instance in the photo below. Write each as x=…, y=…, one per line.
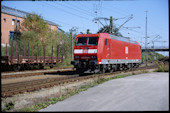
x=123, y=39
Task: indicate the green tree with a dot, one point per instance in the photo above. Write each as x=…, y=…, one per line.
x=36, y=33
x=151, y=56
x=35, y=25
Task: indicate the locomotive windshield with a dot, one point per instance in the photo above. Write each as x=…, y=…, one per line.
x=81, y=41
x=87, y=41
x=92, y=41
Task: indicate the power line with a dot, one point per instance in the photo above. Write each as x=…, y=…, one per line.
x=86, y=6
x=146, y=43
x=75, y=9
x=86, y=11
x=67, y=12
x=123, y=12
x=138, y=19
x=67, y=24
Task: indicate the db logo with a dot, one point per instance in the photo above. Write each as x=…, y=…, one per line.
x=85, y=51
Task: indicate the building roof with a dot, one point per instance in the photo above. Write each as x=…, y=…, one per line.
x=19, y=13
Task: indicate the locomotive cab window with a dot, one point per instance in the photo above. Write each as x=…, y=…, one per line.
x=92, y=41
x=81, y=41
x=105, y=42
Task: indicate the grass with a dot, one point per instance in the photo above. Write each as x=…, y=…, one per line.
x=96, y=81
x=162, y=67
x=8, y=106
x=54, y=100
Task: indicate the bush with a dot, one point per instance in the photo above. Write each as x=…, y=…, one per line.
x=162, y=67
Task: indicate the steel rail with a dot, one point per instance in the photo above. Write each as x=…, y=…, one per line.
x=31, y=73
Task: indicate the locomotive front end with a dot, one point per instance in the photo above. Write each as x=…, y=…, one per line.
x=85, y=52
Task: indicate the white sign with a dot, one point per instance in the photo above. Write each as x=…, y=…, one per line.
x=126, y=50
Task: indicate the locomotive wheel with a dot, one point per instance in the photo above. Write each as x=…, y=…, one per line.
x=27, y=67
x=16, y=67
x=51, y=67
x=22, y=67
x=137, y=66
x=129, y=66
x=80, y=71
x=103, y=69
x=96, y=71
x=41, y=66
x=111, y=70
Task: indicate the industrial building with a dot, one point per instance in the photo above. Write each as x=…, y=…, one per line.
x=11, y=19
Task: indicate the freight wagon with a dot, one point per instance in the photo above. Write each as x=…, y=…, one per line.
x=15, y=60
x=105, y=52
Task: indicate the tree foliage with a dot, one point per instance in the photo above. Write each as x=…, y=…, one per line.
x=34, y=24
x=151, y=56
x=35, y=33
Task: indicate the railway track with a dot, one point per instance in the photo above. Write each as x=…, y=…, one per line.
x=8, y=90
x=31, y=73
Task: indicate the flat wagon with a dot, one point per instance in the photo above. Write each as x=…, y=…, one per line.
x=13, y=59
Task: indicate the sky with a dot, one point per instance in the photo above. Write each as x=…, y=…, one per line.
x=81, y=15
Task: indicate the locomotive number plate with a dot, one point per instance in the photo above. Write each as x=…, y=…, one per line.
x=85, y=51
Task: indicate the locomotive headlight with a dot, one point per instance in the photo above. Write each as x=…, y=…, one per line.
x=93, y=57
x=76, y=57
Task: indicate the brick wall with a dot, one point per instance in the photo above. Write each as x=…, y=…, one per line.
x=52, y=27
x=6, y=27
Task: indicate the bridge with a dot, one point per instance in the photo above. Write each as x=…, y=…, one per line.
x=158, y=48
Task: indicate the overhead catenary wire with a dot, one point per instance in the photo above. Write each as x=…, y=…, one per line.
x=84, y=29
x=123, y=12
x=137, y=19
x=82, y=10
x=59, y=21
x=67, y=11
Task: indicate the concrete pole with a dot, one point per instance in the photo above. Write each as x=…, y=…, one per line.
x=16, y=24
x=71, y=45
x=146, y=43
x=72, y=30
x=111, y=25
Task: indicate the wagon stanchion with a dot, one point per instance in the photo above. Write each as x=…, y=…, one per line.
x=62, y=54
x=32, y=50
x=24, y=50
x=37, y=54
x=28, y=54
x=51, y=57
x=57, y=53
x=6, y=50
x=19, y=52
x=61, y=50
x=12, y=53
x=32, y=60
x=44, y=54
x=15, y=49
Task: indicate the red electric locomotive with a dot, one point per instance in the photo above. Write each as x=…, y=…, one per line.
x=103, y=51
